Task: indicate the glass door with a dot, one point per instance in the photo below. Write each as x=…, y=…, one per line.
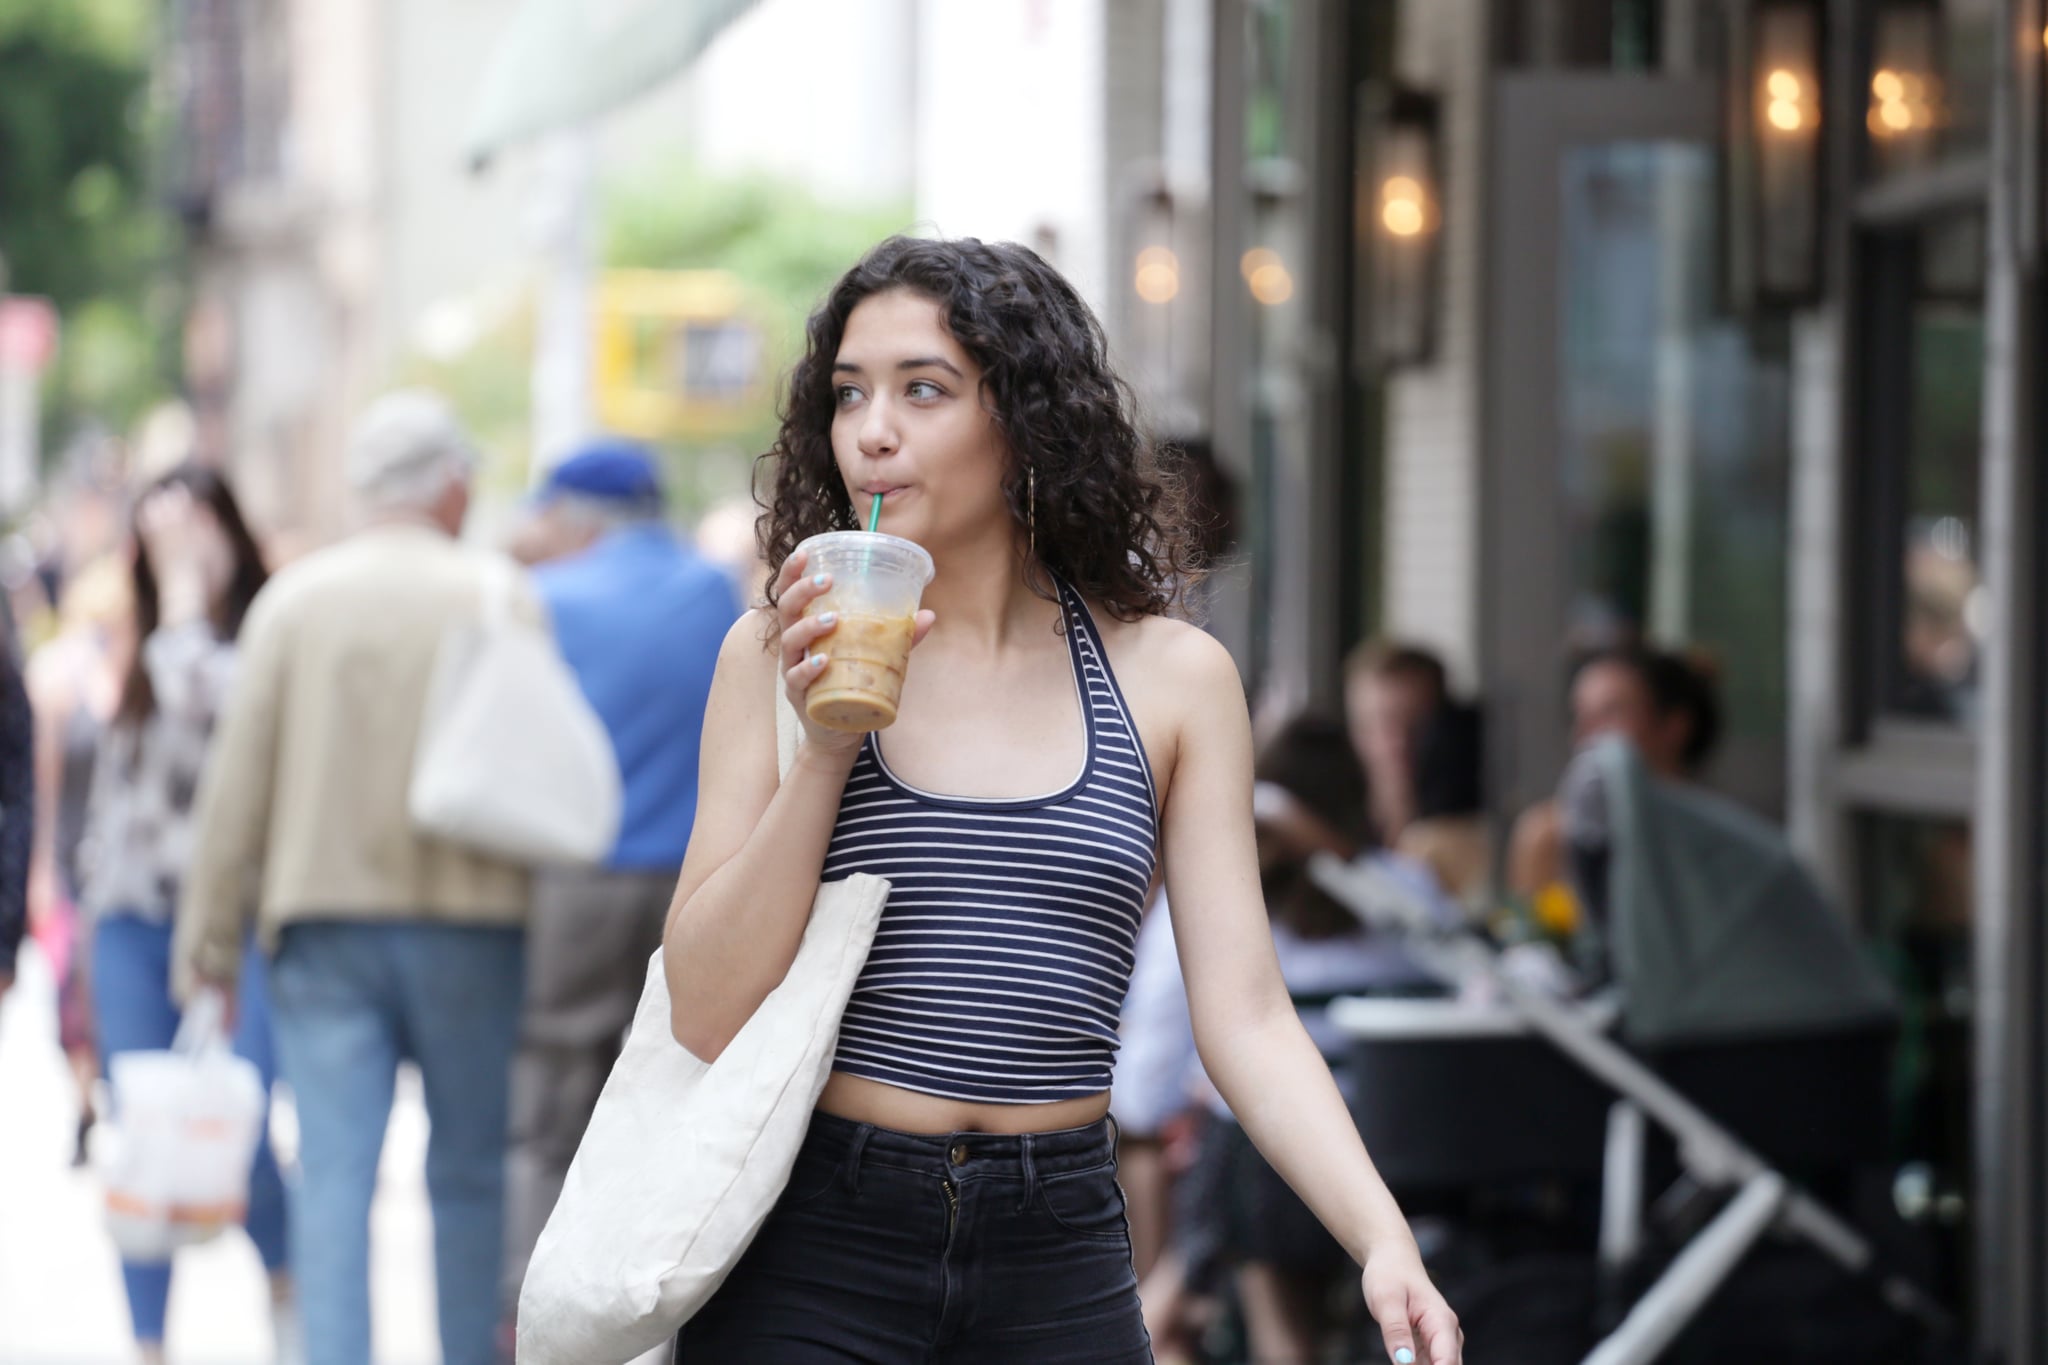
x=1638, y=437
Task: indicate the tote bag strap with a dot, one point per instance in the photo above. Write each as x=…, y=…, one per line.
x=500, y=581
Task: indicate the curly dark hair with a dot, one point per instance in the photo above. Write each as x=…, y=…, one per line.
x=1112, y=507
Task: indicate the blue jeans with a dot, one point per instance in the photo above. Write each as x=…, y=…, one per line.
x=352, y=1001
x=134, y=1012
x=969, y=1249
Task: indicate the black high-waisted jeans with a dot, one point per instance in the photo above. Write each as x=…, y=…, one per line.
x=900, y=1249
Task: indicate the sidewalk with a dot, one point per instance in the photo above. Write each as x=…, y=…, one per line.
x=60, y=1284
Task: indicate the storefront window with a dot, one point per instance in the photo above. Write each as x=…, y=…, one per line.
x=1270, y=261
x=1674, y=440
x=1917, y=902
x=1942, y=605
x=1615, y=35
x=1924, y=436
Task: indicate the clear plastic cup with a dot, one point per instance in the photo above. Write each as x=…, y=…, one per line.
x=877, y=582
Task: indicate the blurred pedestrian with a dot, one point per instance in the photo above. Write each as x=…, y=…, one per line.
x=17, y=812
x=195, y=572
x=639, y=617
x=388, y=945
x=74, y=686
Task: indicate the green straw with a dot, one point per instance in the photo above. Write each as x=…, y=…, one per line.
x=874, y=511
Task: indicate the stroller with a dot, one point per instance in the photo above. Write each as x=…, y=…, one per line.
x=1741, y=1019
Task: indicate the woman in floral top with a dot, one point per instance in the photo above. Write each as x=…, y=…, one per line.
x=196, y=569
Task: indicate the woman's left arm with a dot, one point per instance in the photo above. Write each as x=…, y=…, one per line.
x=1250, y=1039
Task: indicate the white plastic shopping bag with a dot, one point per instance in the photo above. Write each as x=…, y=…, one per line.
x=186, y=1125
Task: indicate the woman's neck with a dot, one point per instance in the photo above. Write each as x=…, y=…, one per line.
x=982, y=599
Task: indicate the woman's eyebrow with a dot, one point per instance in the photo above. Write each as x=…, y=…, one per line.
x=921, y=362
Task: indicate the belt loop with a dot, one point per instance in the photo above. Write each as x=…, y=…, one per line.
x=853, y=1155
x=1030, y=1173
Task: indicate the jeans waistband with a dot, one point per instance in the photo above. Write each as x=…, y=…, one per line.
x=1022, y=1156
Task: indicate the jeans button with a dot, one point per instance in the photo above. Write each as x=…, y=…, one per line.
x=958, y=1156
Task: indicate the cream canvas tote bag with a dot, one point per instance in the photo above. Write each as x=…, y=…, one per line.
x=512, y=760
x=683, y=1160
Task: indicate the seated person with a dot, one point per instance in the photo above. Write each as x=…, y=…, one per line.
x=1423, y=753
x=1657, y=701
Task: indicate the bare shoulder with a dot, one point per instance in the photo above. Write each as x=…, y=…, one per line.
x=748, y=660
x=1175, y=660
x=752, y=639
x=737, y=730
x=1177, y=678
x=1161, y=642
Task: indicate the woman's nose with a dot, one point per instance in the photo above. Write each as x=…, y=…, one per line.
x=878, y=430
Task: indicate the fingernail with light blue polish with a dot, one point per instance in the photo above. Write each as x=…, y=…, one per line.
x=830, y=618
x=818, y=581
x=1404, y=1356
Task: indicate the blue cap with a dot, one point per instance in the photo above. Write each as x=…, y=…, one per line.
x=609, y=469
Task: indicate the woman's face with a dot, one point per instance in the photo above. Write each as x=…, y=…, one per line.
x=183, y=538
x=909, y=426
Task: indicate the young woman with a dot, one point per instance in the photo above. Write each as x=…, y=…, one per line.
x=1061, y=741
x=74, y=684
x=195, y=571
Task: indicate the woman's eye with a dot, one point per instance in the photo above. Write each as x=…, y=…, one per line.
x=924, y=388
x=846, y=393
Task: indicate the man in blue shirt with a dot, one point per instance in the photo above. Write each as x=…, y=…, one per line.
x=639, y=617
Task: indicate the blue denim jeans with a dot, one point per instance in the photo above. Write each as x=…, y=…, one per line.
x=353, y=1000
x=134, y=1012
x=968, y=1249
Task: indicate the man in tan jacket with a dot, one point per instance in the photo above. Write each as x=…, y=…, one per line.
x=388, y=945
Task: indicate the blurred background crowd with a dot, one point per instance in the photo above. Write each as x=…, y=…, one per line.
x=1550, y=370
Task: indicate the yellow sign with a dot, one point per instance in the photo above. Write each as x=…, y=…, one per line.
x=675, y=356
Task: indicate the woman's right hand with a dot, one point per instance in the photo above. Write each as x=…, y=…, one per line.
x=802, y=660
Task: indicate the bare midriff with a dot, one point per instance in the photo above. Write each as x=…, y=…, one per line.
x=906, y=1111
x=863, y=678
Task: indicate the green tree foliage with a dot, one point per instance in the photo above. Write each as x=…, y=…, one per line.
x=76, y=222
x=781, y=243
x=779, y=239
x=784, y=245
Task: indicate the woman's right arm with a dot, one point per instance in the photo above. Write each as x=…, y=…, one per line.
x=758, y=846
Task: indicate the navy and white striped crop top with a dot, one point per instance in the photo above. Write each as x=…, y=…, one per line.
x=1001, y=962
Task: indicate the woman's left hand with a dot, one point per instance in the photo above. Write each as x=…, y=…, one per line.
x=1416, y=1323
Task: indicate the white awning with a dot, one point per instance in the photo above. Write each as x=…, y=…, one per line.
x=560, y=64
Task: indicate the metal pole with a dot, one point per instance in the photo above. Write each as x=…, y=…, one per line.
x=1621, y=1187
x=1660, y=1315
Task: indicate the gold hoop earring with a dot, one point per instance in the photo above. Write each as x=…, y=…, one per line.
x=1031, y=506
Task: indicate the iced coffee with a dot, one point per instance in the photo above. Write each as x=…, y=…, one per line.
x=877, y=582
x=863, y=679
